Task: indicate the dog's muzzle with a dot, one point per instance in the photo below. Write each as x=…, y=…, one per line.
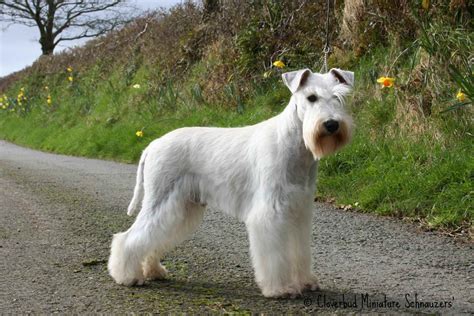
x=328, y=136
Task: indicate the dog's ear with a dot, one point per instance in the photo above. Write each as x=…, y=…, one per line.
x=343, y=76
x=295, y=79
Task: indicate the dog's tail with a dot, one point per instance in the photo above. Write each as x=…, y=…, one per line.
x=138, y=191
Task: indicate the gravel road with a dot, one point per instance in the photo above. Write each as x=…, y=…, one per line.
x=58, y=214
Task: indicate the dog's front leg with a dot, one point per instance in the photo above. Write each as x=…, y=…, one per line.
x=300, y=248
x=274, y=258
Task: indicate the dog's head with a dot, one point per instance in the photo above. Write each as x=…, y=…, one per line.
x=319, y=100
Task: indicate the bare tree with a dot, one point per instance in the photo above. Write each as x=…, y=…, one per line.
x=64, y=20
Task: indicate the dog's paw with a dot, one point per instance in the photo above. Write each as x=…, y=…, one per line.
x=154, y=272
x=285, y=292
x=311, y=285
x=125, y=277
x=130, y=281
x=135, y=282
x=293, y=290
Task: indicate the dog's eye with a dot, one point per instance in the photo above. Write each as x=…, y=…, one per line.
x=312, y=98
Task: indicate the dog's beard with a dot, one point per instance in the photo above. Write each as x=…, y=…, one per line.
x=321, y=143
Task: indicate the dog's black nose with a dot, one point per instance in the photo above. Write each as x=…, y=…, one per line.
x=331, y=126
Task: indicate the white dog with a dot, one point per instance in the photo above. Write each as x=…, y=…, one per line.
x=263, y=174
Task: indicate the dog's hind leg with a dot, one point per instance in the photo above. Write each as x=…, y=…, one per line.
x=152, y=267
x=129, y=248
x=157, y=229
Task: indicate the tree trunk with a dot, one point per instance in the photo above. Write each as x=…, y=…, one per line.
x=47, y=44
x=210, y=7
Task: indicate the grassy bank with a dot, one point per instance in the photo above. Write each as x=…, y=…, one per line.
x=412, y=151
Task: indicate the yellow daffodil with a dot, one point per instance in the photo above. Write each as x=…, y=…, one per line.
x=21, y=96
x=4, y=101
x=279, y=64
x=425, y=4
x=139, y=133
x=70, y=78
x=267, y=74
x=386, y=82
x=69, y=69
x=136, y=86
x=49, y=100
x=460, y=96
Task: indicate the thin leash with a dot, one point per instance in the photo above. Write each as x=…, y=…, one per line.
x=327, y=47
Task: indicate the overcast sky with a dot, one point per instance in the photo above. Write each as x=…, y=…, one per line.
x=19, y=45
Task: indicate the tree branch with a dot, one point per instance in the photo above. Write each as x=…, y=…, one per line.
x=82, y=35
x=65, y=20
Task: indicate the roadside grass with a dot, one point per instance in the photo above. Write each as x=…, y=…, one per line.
x=107, y=129
x=377, y=172
x=402, y=179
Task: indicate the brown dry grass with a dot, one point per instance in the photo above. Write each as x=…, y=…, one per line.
x=366, y=23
